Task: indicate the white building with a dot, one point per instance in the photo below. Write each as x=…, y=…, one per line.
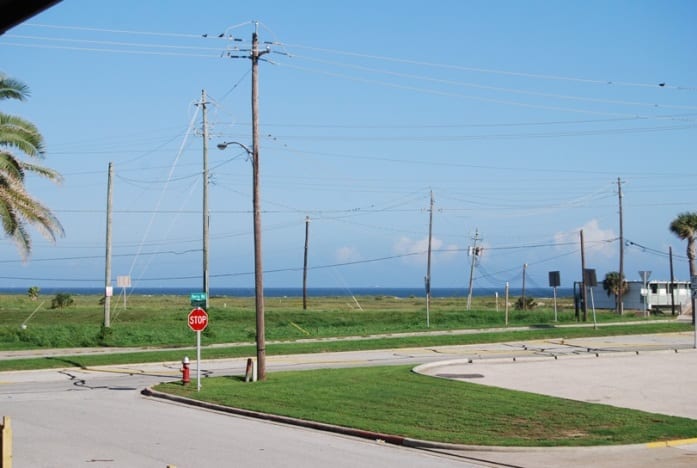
x=656, y=296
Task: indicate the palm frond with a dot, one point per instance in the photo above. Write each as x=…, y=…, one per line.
x=42, y=171
x=16, y=132
x=11, y=88
x=10, y=167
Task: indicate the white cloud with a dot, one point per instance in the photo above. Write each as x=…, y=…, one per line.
x=596, y=240
x=415, y=251
x=347, y=254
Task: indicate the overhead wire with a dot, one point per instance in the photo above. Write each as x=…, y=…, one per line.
x=381, y=58
x=159, y=201
x=451, y=82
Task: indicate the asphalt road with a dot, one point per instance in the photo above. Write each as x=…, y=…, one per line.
x=97, y=417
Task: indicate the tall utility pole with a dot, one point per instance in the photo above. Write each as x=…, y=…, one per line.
x=620, y=304
x=584, y=293
x=206, y=216
x=258, y=265
x=474, y=253
x=107, y=268
x=307, y=237
x=427, y=280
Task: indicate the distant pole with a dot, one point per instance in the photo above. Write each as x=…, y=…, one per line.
x=584, y=293
x=206, y=218
x=672, y=281
x=525, y=268
x=645, y=274
x=620, y=304
x=107, y=262
x=474, y=252
x=427, y=280
x=307, y=236
x=506, y=303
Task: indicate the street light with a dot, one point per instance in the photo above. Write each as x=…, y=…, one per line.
x=222, y=146
x=258, y=268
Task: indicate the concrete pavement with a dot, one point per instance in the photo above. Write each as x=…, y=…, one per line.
x=653, y=373
x=647, y=372
x=650, y=372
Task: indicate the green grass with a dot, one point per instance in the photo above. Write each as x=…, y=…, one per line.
x=161, y=320
x=244, y=351
x=390, y=400
x=395, y=401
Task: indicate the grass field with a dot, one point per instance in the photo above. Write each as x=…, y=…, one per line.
x=161, y=320
x=393, y=400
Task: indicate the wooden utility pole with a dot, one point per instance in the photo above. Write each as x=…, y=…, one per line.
x=206, y=216
x=620, y=304
x=307, y=237
x=427, y=280
x=525, y=269
x=672, y=281
x=108, y=290
x=583, y=279
x=258, y=264
x=474, y=252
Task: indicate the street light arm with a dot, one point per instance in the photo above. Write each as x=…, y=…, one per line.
x=222, y=146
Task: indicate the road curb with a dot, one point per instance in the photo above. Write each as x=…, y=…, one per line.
x=360, y=433
x=377, y=436
x=371, y=435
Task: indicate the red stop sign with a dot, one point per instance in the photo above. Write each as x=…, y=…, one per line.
x=198, y=319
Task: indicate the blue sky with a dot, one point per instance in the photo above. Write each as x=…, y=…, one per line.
x=519, y=116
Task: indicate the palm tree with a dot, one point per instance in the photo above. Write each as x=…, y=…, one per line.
x=19, y=137
x=685, y=227
x=614, y=284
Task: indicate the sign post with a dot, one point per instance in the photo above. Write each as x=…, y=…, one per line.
x=693, y=286
x=198, y=321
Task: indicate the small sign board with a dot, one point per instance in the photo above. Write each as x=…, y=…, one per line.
x=694, y=286
x=123, y=281
x=198, y=299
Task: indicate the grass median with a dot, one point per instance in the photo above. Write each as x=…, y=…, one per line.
x=393, y=400
x=109, y=356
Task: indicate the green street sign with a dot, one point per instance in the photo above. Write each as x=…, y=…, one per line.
x=198, y=299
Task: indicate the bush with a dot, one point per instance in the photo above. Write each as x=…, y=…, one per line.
x=525, y=303
x=33, y=292
x=61, y=300
x=104, y=336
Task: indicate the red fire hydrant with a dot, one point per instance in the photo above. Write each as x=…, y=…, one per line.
x=186, y=373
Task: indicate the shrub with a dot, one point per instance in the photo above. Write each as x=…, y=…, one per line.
x=104, y=336
x=61, y=300
x=33, y=293
x=525, y=303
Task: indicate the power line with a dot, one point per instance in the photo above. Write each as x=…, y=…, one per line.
x=494, y=88
x=225, y=36
x=494, y=71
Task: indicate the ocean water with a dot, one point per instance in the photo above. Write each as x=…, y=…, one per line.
x=312, y=292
